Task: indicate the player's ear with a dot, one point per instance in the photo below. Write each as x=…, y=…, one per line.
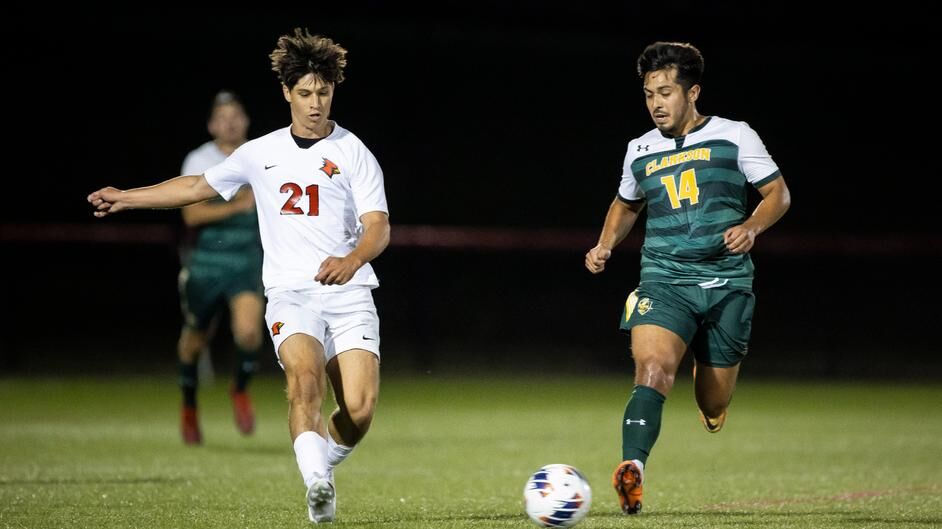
x=693, y=93
x=286, y=91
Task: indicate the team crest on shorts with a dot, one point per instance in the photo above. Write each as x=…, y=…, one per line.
x=276, y=328
x=644, y=305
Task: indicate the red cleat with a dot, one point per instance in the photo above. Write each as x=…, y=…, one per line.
x=190, y=427
x=244, y=414
x=627, y=483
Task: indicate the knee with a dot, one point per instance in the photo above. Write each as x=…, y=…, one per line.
x=189, y=346
x=653, y=368
x=360, y=408
x=654, y=373
x=302, y=387
x=248, y=338
x=712, y=405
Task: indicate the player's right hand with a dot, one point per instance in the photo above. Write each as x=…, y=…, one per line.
x=106, y=201
x=596, y=257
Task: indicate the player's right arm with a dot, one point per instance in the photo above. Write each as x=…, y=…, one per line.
x=173, y=193
x=620, y=219
x=211, y=212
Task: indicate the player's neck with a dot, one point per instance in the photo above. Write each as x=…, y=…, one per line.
x=694, y=121
x=228, y=148
x=315, y=133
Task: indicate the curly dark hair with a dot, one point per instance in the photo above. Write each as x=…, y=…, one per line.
x=681, y=55
x=302, y=53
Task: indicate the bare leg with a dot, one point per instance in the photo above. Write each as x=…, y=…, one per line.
x=246, y=309
x=190, y=345
x=354, y=376
x=657, y=353
x=303, y=359
x=714, y=388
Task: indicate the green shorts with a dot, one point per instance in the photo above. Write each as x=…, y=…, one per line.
x=714, y=322
x=205, y=290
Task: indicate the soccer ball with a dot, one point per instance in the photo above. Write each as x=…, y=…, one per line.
x=557, y=496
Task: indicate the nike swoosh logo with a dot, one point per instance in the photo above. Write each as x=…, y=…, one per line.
x=267, y=167
x=365, y=338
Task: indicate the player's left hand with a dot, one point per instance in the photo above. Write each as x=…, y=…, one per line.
x=337, y=270
x=739, y=239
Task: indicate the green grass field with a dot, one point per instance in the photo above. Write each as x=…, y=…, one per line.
x=453, y=452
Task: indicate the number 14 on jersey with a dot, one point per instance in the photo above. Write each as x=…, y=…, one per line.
x=687, y=190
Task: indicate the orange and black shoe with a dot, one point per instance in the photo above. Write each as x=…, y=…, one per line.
x=243, y=412
x=627, y=483
x=713, y=425
x=190, y=426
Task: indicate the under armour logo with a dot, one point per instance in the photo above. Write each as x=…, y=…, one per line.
x=645, y=147
x=640, y=422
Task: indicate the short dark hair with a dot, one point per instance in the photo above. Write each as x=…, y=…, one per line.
x=301, y=53
x=681, y=55
x=224, y=97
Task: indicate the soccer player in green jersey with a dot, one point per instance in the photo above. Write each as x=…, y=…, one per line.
x=222, y=265
x=695, y=292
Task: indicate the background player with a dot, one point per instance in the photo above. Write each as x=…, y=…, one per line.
x=696, y=274
x=322, y=217
x=222, y=264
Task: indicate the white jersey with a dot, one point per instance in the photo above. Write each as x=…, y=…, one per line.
x=309, y=202
x=202, y=158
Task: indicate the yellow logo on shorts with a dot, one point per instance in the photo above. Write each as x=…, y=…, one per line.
x=644, y=305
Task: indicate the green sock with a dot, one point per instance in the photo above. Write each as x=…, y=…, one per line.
x=246, y=366
x=641, y=424
x=188, y=382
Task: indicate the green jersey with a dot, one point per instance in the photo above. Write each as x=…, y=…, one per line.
x=230, y=244
x=695, y=189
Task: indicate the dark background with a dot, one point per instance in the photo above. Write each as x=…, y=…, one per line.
x=501, y=115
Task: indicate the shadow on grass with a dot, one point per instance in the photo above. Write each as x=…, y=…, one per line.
x=762, y=517
x=91, y=481
x=266, y=450
x=506, y=517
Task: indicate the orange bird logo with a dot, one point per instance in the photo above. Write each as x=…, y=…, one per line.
x=330, y=168
x=276, y=328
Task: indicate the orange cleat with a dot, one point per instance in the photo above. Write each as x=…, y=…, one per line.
x=242, y=409
x=713, y=425
x=190, y=427
x=627, y=483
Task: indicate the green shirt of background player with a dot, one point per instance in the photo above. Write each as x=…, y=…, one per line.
x=222, y=266
x=691, y=172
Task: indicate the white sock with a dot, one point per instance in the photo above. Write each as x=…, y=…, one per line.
x=311, y=452
x=336, y=452
x=640, y=467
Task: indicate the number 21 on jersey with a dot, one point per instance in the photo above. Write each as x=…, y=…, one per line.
x=291, y=205
x=687, y=190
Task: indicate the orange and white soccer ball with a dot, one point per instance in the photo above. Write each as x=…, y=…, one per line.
x=557, y=496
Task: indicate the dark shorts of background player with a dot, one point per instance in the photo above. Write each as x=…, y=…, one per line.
x=205, y=290
x=714, y=322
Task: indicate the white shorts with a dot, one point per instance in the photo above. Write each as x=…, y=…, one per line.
x=340, y=321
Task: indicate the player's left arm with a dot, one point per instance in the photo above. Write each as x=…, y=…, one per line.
x=775, y=202
x=375, y=239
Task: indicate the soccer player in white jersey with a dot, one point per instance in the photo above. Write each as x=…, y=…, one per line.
x=323, y=217
x=692, y=173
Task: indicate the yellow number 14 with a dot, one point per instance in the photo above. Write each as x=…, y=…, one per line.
x=688, y=188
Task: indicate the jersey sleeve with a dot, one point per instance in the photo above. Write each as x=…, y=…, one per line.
x=754, y=160
x=629, y=190
x=229, y=175
x=369, y=193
